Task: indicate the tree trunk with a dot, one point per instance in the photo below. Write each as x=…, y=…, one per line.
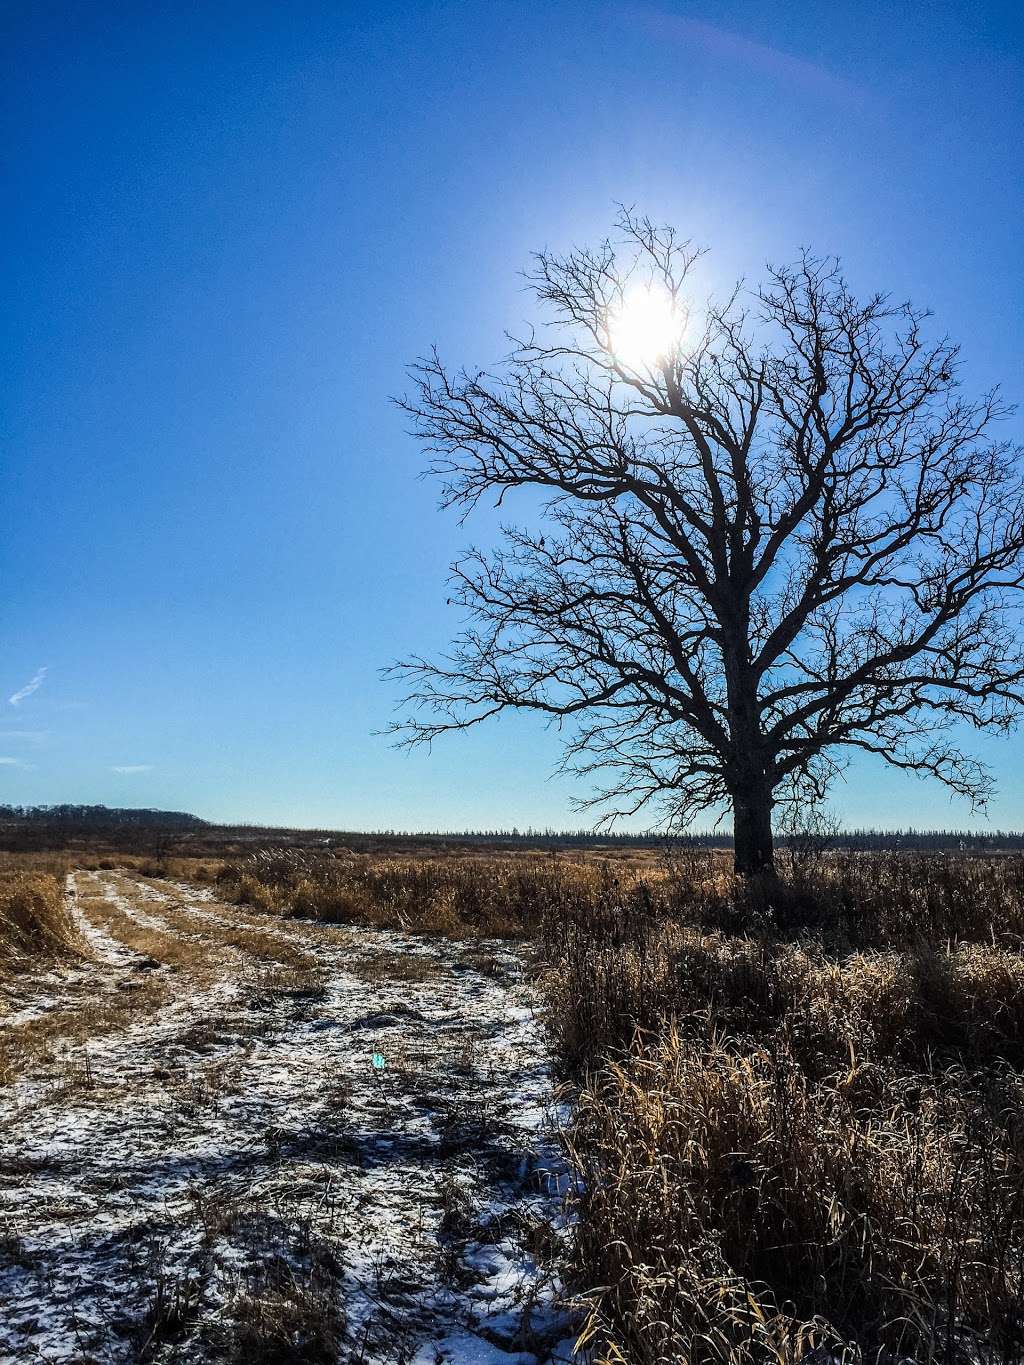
x=749, y=782
x=752, y=830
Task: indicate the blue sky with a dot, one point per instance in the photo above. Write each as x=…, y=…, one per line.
x=229, y=230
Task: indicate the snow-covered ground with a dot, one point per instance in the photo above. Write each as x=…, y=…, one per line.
x=229, y=1136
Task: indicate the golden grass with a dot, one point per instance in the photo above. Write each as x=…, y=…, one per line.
x=950, y=1002
x=800, y=1116
x=497, y=897
x=199, y=950
x=799, y=1104
x=51, y=1036
x=194, y=931
x=34, y=920
x=857, y=900
x=162, y=945
x=55, y=864
x=734, y=1209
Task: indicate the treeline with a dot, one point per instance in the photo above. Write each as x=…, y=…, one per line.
x=856, y=840
x=100, y=817
x=39, y=826
x=925, y=839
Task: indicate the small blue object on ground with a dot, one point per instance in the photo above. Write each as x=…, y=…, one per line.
x=378, y=1061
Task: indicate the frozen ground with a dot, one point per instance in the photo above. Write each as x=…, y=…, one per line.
x=226, y=1136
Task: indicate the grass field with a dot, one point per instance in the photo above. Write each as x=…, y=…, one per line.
x=794, y=1108
x=228, y=1135
x=34, y=923
x=800, y=1112
x=798, y=1105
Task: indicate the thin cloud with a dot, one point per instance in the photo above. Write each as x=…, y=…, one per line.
x=128, y=769
x=34, y=737
x=31, y=686
x=11, y=763
x=734, y=49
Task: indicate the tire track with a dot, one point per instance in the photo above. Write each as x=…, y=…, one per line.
x=360, y=1150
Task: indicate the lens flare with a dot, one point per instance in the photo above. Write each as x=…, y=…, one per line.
x=645, y=329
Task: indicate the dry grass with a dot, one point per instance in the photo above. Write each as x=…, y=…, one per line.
x=870, y=900
x=196, y=949
x=55, y=1042
x=162, y=944
x=284, y=1302
x=736, y=1209
x=799, y=1104
x=857, y=900
x=396, y=966
x=497, y=897
x=800, y=1112
x=800, y=1118
x=55, y=864
x=193, y=924
x=289, y=1317
x=185, y=938
x=171, y=868
x=34, y=920
x=915, y=1005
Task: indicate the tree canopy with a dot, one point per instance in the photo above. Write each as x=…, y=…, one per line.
x=783, y=537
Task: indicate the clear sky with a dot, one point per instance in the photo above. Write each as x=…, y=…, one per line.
x=230, y=227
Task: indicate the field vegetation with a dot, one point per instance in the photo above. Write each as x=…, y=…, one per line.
x=471, y=895
x=800, y=1111
x=34, y=922
x=203, y=1161
x=798, y=1102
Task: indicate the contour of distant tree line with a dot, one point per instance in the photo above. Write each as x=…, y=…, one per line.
x=84, y=820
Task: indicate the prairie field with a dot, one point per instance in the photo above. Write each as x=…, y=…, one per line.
x=795, y=1107
x=628, y=1108
x=234, y=1134
x=515, y=518
x=799, y=1111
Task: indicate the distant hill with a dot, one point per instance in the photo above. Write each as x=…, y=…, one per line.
x=100, y=817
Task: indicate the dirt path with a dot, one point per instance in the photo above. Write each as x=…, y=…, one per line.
x=232, y=1137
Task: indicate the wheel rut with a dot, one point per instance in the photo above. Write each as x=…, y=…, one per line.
x=336, y=1141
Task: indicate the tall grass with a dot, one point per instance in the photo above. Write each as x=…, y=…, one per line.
x=872, y=900
x=34, y=920
x=912, y=1005
x=800, y=1111
x=735, y=1209
x=494, y=897
x=799, y=1104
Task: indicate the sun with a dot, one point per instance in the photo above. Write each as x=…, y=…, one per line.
x=645, y=328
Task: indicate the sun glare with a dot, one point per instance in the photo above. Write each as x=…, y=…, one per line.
x=645, y=328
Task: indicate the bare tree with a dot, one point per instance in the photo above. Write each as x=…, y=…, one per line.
x=783, y=537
